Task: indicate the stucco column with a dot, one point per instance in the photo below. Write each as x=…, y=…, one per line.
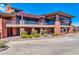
x=70, y=29
x=41, y=30
x=33, y=29
x=21, y=22
x=66, y=30
x=57, y=25
x=22, y=30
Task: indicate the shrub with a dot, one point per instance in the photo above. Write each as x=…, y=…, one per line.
x=29, y=36
x=24, y=35
x=1, y=44
x=55, y=34
x=45, y=35
x=35, y=34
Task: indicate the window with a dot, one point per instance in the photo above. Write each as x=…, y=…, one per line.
x=64, y=20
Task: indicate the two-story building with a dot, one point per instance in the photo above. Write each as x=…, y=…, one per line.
x=16, y=21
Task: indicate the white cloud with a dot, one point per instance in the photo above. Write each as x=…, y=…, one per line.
x=2, y=7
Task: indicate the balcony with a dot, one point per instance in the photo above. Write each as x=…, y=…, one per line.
x=24, y=23
x=64, y=24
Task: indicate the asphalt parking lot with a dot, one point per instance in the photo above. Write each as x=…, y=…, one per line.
x=65, y=45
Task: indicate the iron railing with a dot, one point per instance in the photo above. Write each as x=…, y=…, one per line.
x=28, y=22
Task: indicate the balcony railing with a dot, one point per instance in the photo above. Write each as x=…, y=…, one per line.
x=28, y=22
x=65, y=24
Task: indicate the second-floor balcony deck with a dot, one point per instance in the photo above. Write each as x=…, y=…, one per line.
x=24, y=23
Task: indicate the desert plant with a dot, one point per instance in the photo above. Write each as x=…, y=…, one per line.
x=29, y=36
x=45, y=35
x=24, y=35
x=1, y=43
x=55, y=34
x=35, y=34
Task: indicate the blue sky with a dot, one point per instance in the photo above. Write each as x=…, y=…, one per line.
x=44, y=8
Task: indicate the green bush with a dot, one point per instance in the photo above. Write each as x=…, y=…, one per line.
x=55, y=34
x=36, y=35
x=45, y=35
x=29, y=36
x=1, y=44
x=24, y=35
